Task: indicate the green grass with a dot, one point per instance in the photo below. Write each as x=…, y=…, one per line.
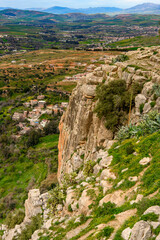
x=147, y=147
x=137, y=42
x=49, y=141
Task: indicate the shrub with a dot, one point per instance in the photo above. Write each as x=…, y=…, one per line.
x=14, y=218
x=30, y=228
x=114, y=102
x=130, y=149
x=149, y=124
x=70, y=208
x=56, y=197
x=120, y=58
x=141, y=108
x=33, y=138
x=107, y=209
x=51, y=127
x=152, y=104
x=88, y=167
x=156, y=90
x=150, y=217
x=107, y=231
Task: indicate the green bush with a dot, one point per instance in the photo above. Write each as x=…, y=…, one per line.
x=33, y=138
x=56, y=197
x=88, y=167
x=70, y=208
x=107, y=209
x=152, y=104
x=14, y=218
x=120, y=58
x=114, y=102
x=130, y=149
x=156, y=90
x=150, y=217
x=141, y=108
x=107, y=231
x=30, y=228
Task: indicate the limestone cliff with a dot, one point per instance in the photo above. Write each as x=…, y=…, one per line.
x=81, y=132
x=80, y=129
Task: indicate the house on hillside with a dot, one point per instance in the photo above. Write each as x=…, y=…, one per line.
x=41, y=104
x=34, y=102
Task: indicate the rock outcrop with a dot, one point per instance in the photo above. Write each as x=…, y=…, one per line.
x=34, y=205
x=81, y=131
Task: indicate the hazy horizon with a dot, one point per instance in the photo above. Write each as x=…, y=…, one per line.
x=22, y=4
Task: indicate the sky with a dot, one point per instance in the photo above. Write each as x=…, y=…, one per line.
x=22, y=4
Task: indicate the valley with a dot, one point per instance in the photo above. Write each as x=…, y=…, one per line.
x=31, y=30
x=79, y=125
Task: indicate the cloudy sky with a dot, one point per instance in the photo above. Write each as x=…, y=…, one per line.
x=72, y=3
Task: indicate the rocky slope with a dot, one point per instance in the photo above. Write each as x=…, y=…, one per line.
x=108, y=189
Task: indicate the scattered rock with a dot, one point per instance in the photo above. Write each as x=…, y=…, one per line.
x=138, y=198
x=120, y=183
x=133, y=179
x=144, y=161
x=124, y=170
x=106, y=173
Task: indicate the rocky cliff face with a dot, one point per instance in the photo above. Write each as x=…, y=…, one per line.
x=81, y=132
x=80, y=129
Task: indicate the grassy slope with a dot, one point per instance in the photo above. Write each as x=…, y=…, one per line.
x=137, y=42
x=30, y=168
x=123, y=157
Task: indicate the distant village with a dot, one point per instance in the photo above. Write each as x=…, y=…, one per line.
x=31, y=119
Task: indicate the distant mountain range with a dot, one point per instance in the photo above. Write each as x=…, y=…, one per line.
x=91, y=10
x=145, y=8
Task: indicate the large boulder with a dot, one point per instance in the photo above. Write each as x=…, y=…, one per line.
x=33, y=205
x=141, y=231
x=84, y=203
x=126, y=233
x=147, y=89
x=153, y=209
